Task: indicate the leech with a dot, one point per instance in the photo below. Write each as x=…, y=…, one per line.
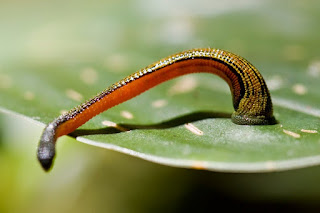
x=250, y=95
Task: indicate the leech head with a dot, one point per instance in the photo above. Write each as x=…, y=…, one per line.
x=46, y=149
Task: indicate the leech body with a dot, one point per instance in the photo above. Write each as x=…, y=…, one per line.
x=251, y=98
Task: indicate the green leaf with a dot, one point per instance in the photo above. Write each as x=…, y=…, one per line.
x=58, y=65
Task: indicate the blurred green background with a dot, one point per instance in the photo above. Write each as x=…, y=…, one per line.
x=278, y=35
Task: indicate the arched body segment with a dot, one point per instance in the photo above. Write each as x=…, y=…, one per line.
x=250, y=95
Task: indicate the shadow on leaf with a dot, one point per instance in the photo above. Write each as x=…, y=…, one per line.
x=178, y=121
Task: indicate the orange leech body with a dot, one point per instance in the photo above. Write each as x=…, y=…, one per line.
x=145, y=83
x=251, y=98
